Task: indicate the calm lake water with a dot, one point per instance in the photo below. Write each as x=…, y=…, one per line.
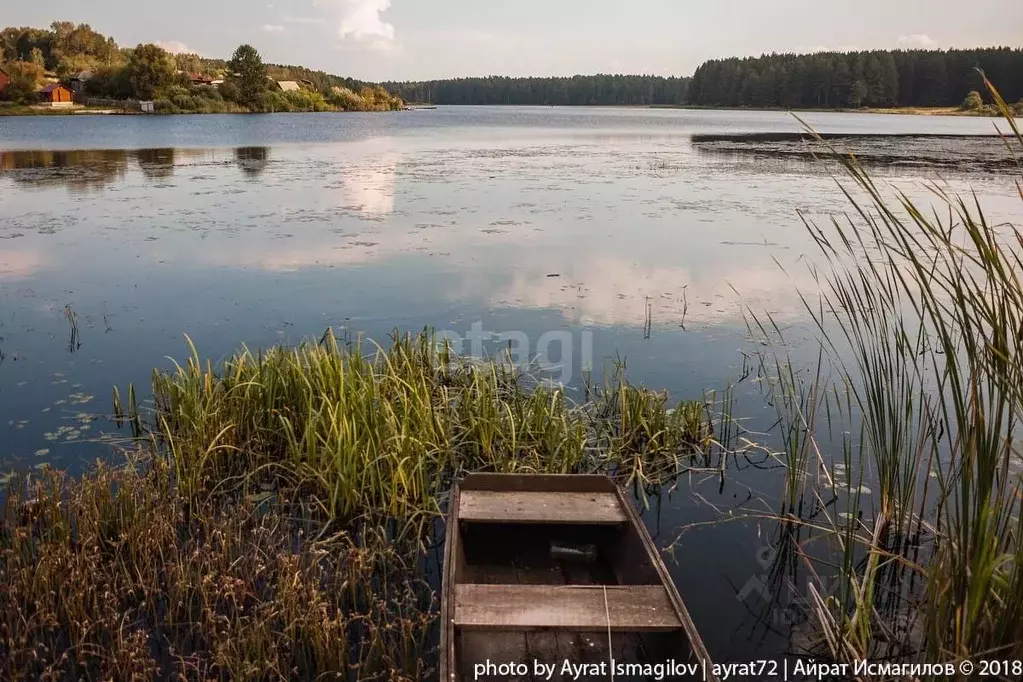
x=567, y=226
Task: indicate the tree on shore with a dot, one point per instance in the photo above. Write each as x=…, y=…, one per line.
x=248, y=74
x=25, y=79
x=150, y=70
x=973, y=102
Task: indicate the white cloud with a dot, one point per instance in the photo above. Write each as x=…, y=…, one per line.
x=175, y=46
x=271, y=28
x=814, y=49
x=917, y=41
x=360, y=21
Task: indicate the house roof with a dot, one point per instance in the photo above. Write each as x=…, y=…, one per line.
x=289, y=86
x=82, y=76
x=47, y=89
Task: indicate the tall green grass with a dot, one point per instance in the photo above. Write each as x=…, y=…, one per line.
x=923, y=313
x=383, y=431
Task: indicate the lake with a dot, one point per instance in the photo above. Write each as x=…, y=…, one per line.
x=583, y=235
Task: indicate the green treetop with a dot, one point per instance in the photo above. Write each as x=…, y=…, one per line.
x=248, y=74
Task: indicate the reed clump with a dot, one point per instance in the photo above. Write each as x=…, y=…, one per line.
x=118, y=576
x=383, y=432
x=276, y=517
x=922, y=314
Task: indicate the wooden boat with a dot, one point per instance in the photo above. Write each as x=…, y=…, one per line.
x=549, y=569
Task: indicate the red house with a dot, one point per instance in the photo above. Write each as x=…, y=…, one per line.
x=56, y=94
x=5, y=80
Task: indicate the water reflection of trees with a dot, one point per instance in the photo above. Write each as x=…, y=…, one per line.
x=78, y=170
x=156, y=164
x=252, y=160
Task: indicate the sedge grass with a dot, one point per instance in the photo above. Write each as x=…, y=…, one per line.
x=922, y=314
x=384, y=432
x=117, y=576
x=278, y=523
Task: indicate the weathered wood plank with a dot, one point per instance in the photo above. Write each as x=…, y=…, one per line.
x=565, y=483
x=633, y=608
x=453, y=554
x=696, y=646
x=540, y=507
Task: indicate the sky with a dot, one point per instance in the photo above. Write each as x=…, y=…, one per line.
x=381, y=40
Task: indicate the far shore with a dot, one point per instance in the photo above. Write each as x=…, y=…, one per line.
x=77, y=110
x=39, y=110
x=904, y=111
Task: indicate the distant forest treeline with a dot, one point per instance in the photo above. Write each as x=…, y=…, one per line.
x=601, y=89
x=913, y=78
x=829, y=80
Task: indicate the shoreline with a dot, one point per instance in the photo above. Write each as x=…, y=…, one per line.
x=82, y=110
x=28, y=110
x=106, y=111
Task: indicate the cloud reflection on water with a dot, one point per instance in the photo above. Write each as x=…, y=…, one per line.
x=605, y=289
x=20, y=264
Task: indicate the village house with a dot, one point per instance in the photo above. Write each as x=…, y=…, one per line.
x=77, y=82
x=289, y=86
x=200, y=79
x=56, y=95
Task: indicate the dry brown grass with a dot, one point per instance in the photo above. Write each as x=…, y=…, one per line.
x=116, y=576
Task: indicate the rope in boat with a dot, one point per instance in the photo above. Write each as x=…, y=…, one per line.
x=610, y=650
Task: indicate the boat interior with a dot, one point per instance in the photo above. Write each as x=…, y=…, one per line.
x=555, y=575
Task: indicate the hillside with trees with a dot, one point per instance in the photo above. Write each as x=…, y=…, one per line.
x=901, y=78
x=176, y=82
x=602, y=89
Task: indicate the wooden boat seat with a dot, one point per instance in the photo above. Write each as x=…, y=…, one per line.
x=632, y=608
x=593, y=508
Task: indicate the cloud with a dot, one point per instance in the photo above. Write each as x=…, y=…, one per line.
x=270, y=28
x=360, y=21
x=175, y=47
x=919, y=41
x=814, y=49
